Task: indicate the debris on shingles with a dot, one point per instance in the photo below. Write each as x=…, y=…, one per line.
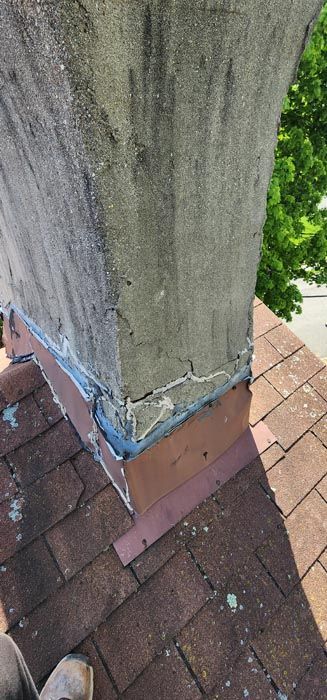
x=15, y=512
x=9, y=415
x=232, y=601
x=229, y=603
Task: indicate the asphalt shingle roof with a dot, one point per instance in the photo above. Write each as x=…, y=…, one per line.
x=231, y=603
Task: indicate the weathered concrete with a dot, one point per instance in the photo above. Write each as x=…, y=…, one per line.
x=136, y=148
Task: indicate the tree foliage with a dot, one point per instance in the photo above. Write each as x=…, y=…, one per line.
x=295, y=232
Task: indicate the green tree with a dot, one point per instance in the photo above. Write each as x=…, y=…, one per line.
x=294, y=237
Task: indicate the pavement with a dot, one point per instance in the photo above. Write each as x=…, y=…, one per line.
x=311, y=325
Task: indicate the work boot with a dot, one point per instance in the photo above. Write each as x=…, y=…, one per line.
x=72, y=679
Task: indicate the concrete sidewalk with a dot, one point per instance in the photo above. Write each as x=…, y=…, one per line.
x=311, y=325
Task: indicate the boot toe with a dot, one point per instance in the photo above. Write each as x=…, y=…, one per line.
x=72, y=679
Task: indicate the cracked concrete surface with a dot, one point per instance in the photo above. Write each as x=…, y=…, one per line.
x=175, y=397
x=136, y=148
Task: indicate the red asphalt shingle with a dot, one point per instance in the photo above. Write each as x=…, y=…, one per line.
x=264, y=320
x=41, y=455
x=302, y=542
x=319, y=382
x=291, y=419
x=71, y=613
x=19, y=423
x=26, y=580
x=284, y=340
x=87, y=531
x=210, y=661
x=322, y=487
x=232, y=489
x=230, y=621
x=290, y=374
x=271, y=456
x=320, y=430
x=39, y=507
x=293, y=477
x=147, y=622
x=91, y=473
x=229, y=492
x=292, y=639
x=7, y=483
x=245, y=680
x=158, y=554
x=323, y=559
x=313, y=683
x=104, y=689
x=168, y=676
x=265, y=398
x=19, y=380
x=44, y=399
x=228, y=542
x=265, y=357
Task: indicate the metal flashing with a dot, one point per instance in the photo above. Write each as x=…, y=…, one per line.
x=142, y=471
x=175, y=506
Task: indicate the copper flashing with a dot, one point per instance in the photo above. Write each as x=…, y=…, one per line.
x=166, y=465
x=189, y=449
x=16, y=337
x=114, y=467
x=168, y=511
x=77, y=407
x=20, y=342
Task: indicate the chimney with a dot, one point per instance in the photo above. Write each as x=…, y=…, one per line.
x=136, y=147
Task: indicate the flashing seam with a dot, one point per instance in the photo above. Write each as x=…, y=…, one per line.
x=92, y=391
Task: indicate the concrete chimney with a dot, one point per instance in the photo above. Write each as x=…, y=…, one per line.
x=136, y=147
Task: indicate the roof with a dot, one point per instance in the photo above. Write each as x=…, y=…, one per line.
x=231, y=603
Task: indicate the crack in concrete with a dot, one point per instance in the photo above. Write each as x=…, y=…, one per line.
x=165, y=403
